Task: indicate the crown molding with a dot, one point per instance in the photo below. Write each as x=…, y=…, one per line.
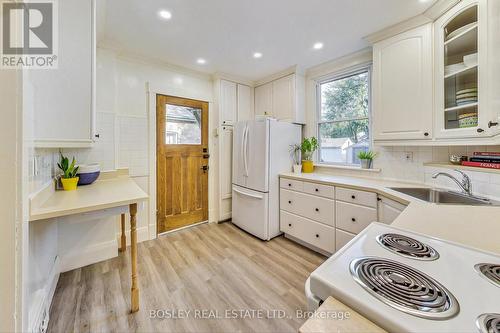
x=278, y=75
x=233, y=78
x=360, y=58
x=149, y=61
x=430, y=15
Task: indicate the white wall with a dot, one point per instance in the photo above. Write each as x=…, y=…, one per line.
x=392, y=160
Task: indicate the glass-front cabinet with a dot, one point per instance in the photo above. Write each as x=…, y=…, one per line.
x=461, y=65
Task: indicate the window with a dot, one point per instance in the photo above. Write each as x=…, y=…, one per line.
x=183, y=125
x=344, y=118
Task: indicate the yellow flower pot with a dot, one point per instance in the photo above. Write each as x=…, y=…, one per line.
x=69, y=184
x=307, y=166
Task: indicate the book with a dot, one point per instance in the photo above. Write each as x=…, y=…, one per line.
x=486, y=153
x=482, y=165
x=485, y=159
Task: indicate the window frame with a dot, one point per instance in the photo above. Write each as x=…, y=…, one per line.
x=335, y=77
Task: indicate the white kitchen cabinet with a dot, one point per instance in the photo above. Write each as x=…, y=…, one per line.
x=282, y=99
x=461, y=33
x=225, y=172
x=264, y=100
x=64, y=98
x=389, y=210
x=245, y=103
x=403, y=86
x=228, y=102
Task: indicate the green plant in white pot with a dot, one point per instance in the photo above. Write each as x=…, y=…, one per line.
x=366, y=158
x=295, y=153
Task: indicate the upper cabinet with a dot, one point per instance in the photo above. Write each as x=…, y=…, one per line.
x=64, y=98
x=264, y=100
x=463, y=107
x=403, y=86
x=245, y=102
x=228, y=102
x=282, y=99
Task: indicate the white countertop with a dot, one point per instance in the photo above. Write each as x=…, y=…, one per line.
x=473, y=226
x=107, y=192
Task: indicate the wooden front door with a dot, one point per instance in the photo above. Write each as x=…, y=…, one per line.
x=182, y=162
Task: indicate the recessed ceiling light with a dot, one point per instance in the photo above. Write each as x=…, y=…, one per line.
x=201, y=61
x=165, y=14
x=318, y=46
x=257, y=55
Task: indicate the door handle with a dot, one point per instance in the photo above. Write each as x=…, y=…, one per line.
x=204, y=168
x=206, y=156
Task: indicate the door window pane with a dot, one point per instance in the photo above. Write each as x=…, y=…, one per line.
x=183, y=125
x=340, y=142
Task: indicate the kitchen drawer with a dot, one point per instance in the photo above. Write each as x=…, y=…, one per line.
x=357, y=197
x=313, y=207
x=320, y=190
x=291, y=184
x=316, y=234
x=342, y=238
x=354, y=218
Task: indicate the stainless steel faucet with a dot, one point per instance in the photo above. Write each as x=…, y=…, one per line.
x=465, y=184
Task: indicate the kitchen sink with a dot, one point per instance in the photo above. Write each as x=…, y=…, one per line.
x=444, y=197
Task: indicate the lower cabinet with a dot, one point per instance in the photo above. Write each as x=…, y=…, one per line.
x=309, y=231
x=388, y=210
x=327, y=217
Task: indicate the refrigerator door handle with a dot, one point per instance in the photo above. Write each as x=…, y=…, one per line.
x=243, y=145
x=246, y=150
x=248, y=194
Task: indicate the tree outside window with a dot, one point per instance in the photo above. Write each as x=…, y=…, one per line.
x=344, y=123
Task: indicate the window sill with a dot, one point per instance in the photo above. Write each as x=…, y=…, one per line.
x=346, y=167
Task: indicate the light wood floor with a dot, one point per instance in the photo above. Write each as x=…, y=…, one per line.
x=211, y=267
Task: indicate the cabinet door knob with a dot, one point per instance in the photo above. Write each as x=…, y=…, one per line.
x=353, y=219
x=492, y=123
x=289, y=185
x=317, y=190
x=480, y=130
x=353, y=197
x=317, y=209
x=289, y=224
x=290, y=201
x=317, y=236
x=426, y=134
x=379, y=199
x=97, y=136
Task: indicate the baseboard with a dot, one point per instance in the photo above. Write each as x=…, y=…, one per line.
x=225, y=217
x=89, y=255
x=39, y=313
x=142, y=235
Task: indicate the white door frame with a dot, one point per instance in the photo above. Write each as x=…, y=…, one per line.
x=152, y=91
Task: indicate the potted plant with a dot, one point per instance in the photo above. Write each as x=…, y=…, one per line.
x=69, y=179
x=308, y=147
x=366, y=158
x=295, y=152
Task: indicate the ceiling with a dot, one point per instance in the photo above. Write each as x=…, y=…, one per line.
x=226, y=33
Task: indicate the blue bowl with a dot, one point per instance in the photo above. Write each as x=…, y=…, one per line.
x=88, y=178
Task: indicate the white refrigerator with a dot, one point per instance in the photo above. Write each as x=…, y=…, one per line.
x=261, y=151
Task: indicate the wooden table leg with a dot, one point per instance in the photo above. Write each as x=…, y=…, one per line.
x=123, y=246
x=133, y=256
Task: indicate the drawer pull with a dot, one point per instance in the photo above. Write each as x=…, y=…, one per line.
x=289, y=224
x=353, y=219
x=353, y=196
x=317, y=190
x=317, y=236
x=290, y=201
x=289, y=185
x=317, y=209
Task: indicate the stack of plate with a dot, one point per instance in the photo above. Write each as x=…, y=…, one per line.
x=466, y=96
x=467, y=120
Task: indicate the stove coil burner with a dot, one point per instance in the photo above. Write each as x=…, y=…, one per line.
x=404, y=288
x=407, y=247
x=488, y=323
x=490, y=272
